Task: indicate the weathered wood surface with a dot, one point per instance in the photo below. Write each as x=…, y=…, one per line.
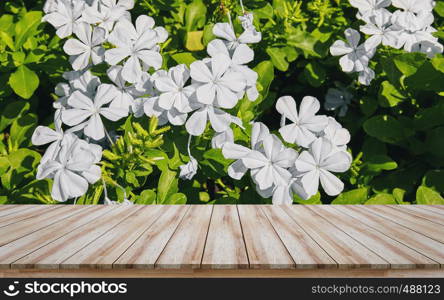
x=195, y=241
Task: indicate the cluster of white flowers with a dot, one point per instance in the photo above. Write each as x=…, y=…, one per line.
x=102, y=32
x=408, y=27
x=279, y=171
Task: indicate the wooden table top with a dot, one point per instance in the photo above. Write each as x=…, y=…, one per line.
x=219, y=240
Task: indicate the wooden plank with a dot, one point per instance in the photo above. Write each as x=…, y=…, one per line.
x=423, y=226
x=264, y=247
x=397, y=254
x=422, y=244
x=12, y=209
x=27, y=244
x=29, y=212
x=144, y=253
x=419, y=211
x=44, y=218
x=105, y=250
x=51, y=255
x=223, y=273
x=346, y=251
x=225, y=247
x=186, y=246
x=439, y=209
x=306, y=253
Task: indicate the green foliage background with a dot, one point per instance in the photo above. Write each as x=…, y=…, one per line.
x=397, y=123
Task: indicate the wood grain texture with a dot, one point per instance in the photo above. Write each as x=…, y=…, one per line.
x=223, y=273
x=38, y=221
x=419, y=211
x=29, y=243
x=186, y=246
x=144, y=252
x=264, y=247
x=423, y=226
x=306, y=253
x=225, y=247
x=419, y=242
x=12, y=209
x=345, y=250
x=53, y=254
x=105, y=250
x=439, y=209
x=28, y=212
x=206, y=240
x=397, y=254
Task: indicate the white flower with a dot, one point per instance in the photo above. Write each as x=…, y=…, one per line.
x=72, y=169
x=336, y=134
x=380, y=28
x=87, y=47
x=219, y=119
x=269, y=165
x=151, y=108
x=50, y=6
x=173, y=92
x=338, y=99
x=125, y=201
x=138, y=43
x=414, y=6
x=230, y=150
x=44, y=135
x=239, y=58
x=226, y=32
x=247, y=21
x=189, y=170
x=65, y=17
x=317, y=164
x=216, y=84
x=106, y=12
x=366, y=76
x=355, y=58
x=124, y=95
x=221, y=138
x=367, y=7
x=88, y=111
x=305, y=123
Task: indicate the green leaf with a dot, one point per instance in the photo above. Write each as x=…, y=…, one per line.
x=22, y=129
x=277, y=56
x=434, y=180
x=7, y=39
x=24, y=82
x=26, y=27
x=167, y=186
x=430, y=117
x=381, y=199
x=409, y=63
x=184, y=58
x=12, y=111
x=425, y=195
x=399, y=195
x=315, y=74
x=427, y=78
x=368, y=105
x=147, y=197
x=439, y=8
x=385, y=128
x=378, y=163
x=265, y=12
x=435, y=144
x=316, y=199
x=194, y=41
x=358, y=196
x=177, y=198
x=265, y=71
x=303, y=41
x=389, y=96
x=195, y=15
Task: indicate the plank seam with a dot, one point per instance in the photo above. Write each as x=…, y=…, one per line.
x=103, y=233
x=394, y=221
x=206, y=236
x=61, y=235
x=398, y=240
x=243, y=236
x=412, y=213
x=174, y=232
x=31, y=216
